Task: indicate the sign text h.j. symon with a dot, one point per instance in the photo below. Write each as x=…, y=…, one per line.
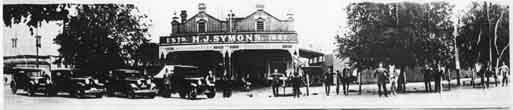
x=228, y=38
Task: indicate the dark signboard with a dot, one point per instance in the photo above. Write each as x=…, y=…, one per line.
x=229, y=38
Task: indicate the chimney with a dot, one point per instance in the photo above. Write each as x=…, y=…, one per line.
x=183, y=15
x=174, y=24
x=231, y=15
x=202, y=7
x=290, y=16
x=260, y=7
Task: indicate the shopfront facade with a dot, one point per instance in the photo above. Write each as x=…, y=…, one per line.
x=252, y=46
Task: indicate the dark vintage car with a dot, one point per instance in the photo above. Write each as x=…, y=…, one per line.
x=185, y=80
x=77, y=84
x=32, y=80
x=131, y=83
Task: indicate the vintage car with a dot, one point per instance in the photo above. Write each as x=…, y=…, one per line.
x=31, y=80
x=185, y=80
x=77, y=84
x=131, y=83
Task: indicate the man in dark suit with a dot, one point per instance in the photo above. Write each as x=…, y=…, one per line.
x=346, y=73
x=339, y=80
x=427, y=77
x=381, y=77
x=328, y=80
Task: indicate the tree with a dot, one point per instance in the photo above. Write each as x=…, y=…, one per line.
x=403, y=33
x=33, y=14
x=484, y=34
x=103, y=36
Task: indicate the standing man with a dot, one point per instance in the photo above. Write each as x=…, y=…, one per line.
x=339, y=80
x=381, y=77
x=346, y=79
x=328, y=80
x=427, y=77
x=437, y=75
x=504, y=71
x=296, y=83
x=275, y=81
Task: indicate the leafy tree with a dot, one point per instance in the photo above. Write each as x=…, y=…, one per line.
x=484, y=34
x=103, y=36
x=403, y=33
x=33, y=14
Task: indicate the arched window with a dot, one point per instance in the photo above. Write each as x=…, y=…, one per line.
x=202, y=26
x=260, y=25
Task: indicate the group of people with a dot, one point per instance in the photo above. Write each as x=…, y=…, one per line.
x=500, y=74
x=382, y=75
x=433, y=73
x=296, y=80
x=342, y=78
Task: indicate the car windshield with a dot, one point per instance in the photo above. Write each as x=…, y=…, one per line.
x=32, y=73
x=189, y=72
x=128, y=73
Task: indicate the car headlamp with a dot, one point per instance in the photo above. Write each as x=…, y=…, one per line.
x=36, y=81
x=133, y=85
x=148, y=81
x=152, y=85
x=199, y=82
x=139, y=82
x=96, y=81
x=48, y=81
x=87, y=81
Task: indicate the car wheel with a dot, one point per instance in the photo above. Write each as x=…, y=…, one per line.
x=109, y=92
x=77, y=94
x=182, y=94
x=211, y=95
x=192, y=94
x=152, y=96
x=99, y=95
x=130, y=95
x=51, y=92
x=13, y=87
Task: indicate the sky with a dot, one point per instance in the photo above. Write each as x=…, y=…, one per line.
x=316, y=22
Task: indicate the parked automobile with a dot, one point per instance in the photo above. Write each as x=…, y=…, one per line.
x=185, y=80
x=32, y=80
x=131, y=83
x=77, y=84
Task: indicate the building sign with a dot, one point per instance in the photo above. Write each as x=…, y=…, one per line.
x=229, y=38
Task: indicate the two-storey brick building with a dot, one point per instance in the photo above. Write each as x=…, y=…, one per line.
x=253, y=45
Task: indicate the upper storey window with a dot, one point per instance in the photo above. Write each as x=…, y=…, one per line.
x=202, y=26
x=260, y=25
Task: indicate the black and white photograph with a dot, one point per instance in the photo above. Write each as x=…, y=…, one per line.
x=256, y=54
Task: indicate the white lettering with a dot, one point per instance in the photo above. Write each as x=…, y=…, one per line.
x=240, y=37
x=249, y=38
x=216, y=38
x=231, y=38
x=195, y=39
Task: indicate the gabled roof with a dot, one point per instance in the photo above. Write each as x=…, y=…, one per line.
x=208, y=15
x=237, y=18
x=265, y=12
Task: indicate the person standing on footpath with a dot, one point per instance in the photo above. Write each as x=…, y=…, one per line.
x=296, y=84
x=381, y=77
x=328, y=80
x=437, y=75
x=504, y=71
x=338, y=80
x=427, y=77
x=275, y=81
x=346, y=79
x=393, y=79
